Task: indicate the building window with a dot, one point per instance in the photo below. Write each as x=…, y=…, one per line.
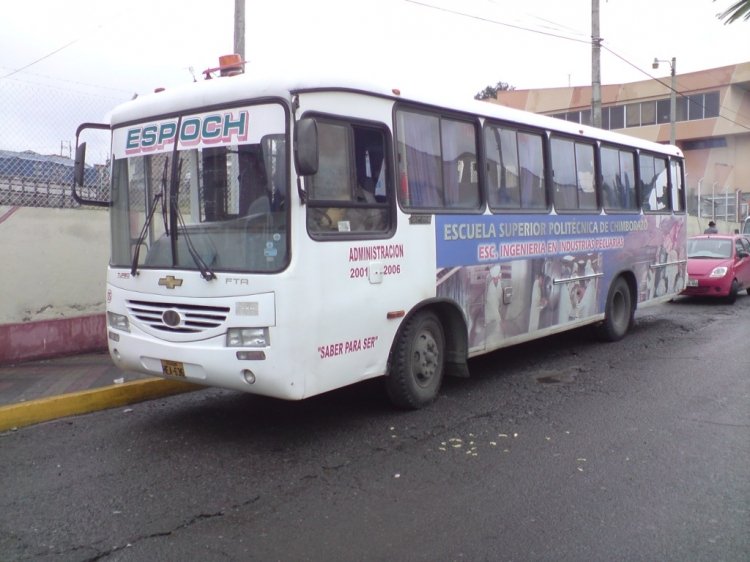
x=682, y=109
x=711, y=105
x=633, y=115
x=695, y=107
x=640, y=114
x=662, y=111
x=702, y=144
x=617, y=117
x=648, y=113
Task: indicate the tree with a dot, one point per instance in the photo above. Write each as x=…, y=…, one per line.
x=738, y=10
x=490, y=92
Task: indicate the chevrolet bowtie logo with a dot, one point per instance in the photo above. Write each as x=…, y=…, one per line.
x=170, y=282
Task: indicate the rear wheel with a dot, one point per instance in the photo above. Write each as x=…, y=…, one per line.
x=417, y=363
x=618, y=313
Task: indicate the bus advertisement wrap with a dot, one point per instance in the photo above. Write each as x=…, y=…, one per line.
x=515, y=275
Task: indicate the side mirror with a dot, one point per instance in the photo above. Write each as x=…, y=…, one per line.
x=91, y=183
x=306, y=147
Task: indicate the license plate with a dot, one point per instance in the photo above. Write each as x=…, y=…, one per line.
x=692, y=282
x=172, y=368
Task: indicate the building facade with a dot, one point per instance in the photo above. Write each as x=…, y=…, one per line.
x=712, y=127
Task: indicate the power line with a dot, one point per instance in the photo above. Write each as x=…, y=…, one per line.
x=558, y=36
x=51, y=53
x=57, y=79
x=669, y=87
x=488, y=20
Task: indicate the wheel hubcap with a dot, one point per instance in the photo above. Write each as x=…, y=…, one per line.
x=426, y=358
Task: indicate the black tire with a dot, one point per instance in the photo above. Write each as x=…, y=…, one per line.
x=417, y=363
x=618, y=313
x=733, y=290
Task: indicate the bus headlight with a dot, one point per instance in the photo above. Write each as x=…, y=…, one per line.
x=719, y=272
x=247, y=337
x=118, y=321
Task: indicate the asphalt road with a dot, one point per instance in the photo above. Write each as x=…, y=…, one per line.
x=564, y=449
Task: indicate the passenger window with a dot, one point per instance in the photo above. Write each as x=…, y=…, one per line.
x=678, y=189
x=437, y=162
x=573, y=175
x=349, y=192
x=515, y=169
x=531, y=162
x=618, y=179
x=653, y=182
x=503, y=177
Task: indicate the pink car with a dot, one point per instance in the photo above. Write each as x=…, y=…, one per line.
x=718, y=266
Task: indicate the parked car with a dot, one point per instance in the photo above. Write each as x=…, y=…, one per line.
x=718, y=265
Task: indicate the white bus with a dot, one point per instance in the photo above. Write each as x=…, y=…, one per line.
x=289, y=237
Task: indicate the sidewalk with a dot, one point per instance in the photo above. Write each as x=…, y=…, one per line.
x=38, y=391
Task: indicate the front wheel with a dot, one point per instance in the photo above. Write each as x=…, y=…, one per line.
x=417, y=362
x=733, y=290
x=618, y=314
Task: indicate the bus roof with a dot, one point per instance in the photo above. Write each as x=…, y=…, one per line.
x=254, y=85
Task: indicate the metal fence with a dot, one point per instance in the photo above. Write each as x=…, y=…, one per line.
x=38, y=122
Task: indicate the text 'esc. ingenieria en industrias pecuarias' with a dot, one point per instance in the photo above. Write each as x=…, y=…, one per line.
x=496, y=239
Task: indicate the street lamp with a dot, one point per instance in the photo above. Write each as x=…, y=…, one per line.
x=673, y=95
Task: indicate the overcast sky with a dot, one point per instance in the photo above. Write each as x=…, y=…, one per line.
x=62, y=63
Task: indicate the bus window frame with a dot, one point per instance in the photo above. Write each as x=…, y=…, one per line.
x=441, y=113
x=600, y=178
x=390, y=191
x=667, y=210
x=680, y=163
x=530, y=130
x=552, y=134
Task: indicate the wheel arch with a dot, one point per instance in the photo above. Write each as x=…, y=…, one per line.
x=630, y=279
x=455, y=332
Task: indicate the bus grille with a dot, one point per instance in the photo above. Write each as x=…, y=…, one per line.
x=193, y=318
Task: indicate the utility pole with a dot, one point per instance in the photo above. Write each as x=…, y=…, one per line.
x=672, y=96
x=239, y=28
x=596, y=81
x=673, y=103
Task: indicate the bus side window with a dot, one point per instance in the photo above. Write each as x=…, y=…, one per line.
x=503, y=178
x=437, y=162
x=564, y=182
x=653, y=183
x=573, y=175
x=459, y=153
x=618, y=179
x=531, y=162
x=678, y=190
x=349, y=193
x=515, y=169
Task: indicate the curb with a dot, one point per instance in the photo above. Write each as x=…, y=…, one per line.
x=32, y=412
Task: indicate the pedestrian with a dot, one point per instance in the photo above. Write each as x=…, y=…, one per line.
x=711, y=228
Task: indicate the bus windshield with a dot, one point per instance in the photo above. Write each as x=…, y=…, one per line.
x=215, y=200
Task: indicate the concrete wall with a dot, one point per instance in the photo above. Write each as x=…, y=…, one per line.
x=53, y=266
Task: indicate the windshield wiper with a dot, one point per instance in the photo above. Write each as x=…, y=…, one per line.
x=149, y=218
x=206, y=272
